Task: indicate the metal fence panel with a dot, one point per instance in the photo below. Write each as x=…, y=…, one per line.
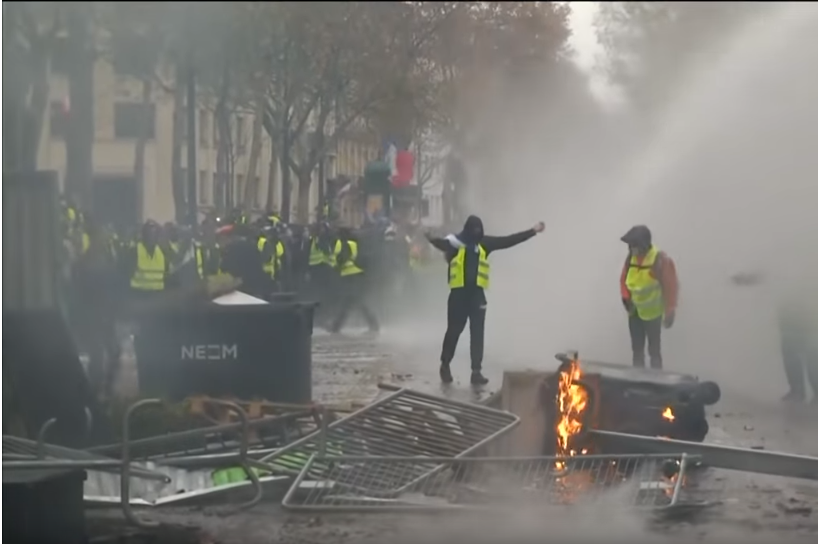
x=638, y=481
x=404, y=423
x=21, y=452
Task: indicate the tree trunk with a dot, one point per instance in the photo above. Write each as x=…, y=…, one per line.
x=179, y=120
x=225, y=157
x=226, y=141
x=141, y=143
x=303, y=204
x=14, y=120
x=251, y=183
x=271, y=182
x=79, y=142
x=14, y=89
x=224, y=202
x=286, y=180
x=222, y=159
x=25, y=91
x=38, y=106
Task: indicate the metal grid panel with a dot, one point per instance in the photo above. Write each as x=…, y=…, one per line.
x=184, y=486
x=404, y=423
x=20, y=452
x=215, y=439
x=640, y=481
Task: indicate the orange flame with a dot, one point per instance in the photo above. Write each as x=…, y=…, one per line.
x=668, y=414
x=572, y=401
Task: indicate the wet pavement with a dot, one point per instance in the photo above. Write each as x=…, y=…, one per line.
x=346, y=372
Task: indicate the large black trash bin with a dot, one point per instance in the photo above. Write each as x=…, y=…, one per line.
x=259, y=351
x=44, y=505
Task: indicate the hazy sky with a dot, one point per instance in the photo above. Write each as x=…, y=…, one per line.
x=587, y=48
x=584, y=36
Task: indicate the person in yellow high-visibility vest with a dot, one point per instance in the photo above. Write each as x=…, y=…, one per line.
x=649, y=288
x=352, y=287
x=321, y=267
x=467, y=254
x=151, y=262
x=272, y=256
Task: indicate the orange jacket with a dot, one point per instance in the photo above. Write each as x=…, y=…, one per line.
x=665, y=269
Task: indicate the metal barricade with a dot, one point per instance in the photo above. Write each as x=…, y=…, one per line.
x=631, y=481
x=404, y=423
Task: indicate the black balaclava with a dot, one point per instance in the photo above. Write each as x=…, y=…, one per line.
x=472, y=232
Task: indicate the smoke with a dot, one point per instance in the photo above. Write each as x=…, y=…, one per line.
x=523, y=518
x=726, y=181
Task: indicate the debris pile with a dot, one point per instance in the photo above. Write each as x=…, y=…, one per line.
x=602, y=429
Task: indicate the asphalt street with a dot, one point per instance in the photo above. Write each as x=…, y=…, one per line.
x=750, y=507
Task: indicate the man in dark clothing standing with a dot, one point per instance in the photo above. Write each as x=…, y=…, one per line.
x=352, y=284
x=467, y=254
x=95, y=281
x=242, y=259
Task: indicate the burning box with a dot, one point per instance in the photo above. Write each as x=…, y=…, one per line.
x=575, y=401
x=558, y=408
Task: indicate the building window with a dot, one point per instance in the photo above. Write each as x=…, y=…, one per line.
x=204, y=128
x=131, y=118
x=58, y=114
x=239, y=200
x=60, y=57
x=241, y=137
x=204, y=187
x=216, y=132
x=256, y=192
x=424, y=207
x=182, y=128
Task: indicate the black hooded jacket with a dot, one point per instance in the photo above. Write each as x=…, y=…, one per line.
x=472, y=235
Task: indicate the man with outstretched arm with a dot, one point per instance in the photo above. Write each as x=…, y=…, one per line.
x=467, y=254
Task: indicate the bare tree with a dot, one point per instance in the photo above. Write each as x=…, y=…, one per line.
x=30, y=32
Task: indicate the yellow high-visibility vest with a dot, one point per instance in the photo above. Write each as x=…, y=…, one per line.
x=150, y=269
x=272, y=266
x=646, y=291
x=318, y=256
x=349, y=268
x=457, y=269
x=200, y=260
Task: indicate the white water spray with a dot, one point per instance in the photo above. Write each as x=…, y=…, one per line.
x=729, y=182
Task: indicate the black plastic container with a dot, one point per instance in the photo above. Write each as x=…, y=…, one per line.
x=46, y=379
x=246, y=352
x=44, y=506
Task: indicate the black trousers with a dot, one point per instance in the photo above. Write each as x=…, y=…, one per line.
x=465, y=306
x=97, y=336
x=649, y=332
x=799, y=358
x=353, y=297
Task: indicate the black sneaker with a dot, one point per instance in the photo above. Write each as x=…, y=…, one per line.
x=446, y=374
x=477, y=378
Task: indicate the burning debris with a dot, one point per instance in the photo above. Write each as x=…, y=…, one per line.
x=572, y=403
x=634, y=402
